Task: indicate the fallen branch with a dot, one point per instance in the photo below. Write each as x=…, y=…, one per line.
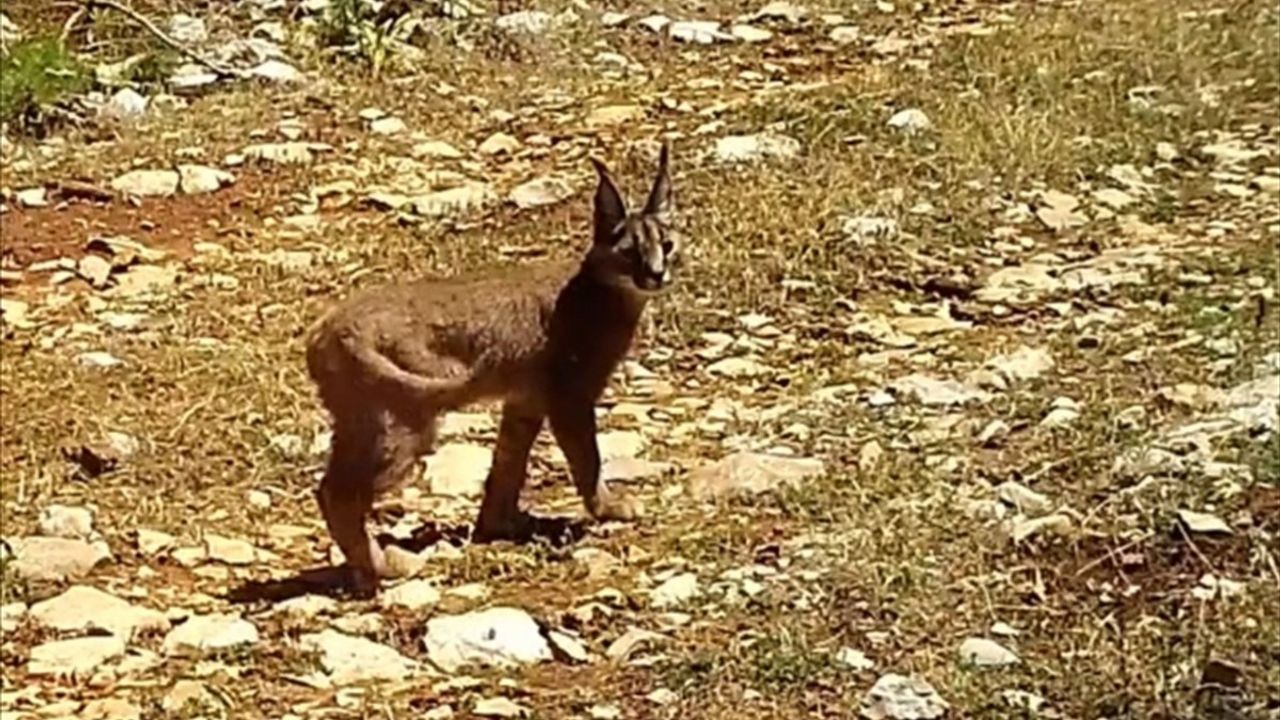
x=160, y=35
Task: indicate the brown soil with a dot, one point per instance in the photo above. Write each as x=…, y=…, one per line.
x=173, y=224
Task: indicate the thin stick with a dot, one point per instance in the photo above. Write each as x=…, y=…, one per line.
x=162, y=37
x=71, y=22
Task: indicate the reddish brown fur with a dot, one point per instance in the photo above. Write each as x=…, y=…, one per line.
x=389, y=360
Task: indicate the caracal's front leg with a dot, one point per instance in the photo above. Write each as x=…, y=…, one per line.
x=500, y=515
x=574, y=425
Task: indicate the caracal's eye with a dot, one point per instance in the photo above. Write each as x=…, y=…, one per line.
x=668, y=247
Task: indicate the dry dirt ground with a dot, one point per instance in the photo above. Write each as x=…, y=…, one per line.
x=979, y=302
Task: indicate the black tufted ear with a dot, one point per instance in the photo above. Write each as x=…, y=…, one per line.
x=610, y=210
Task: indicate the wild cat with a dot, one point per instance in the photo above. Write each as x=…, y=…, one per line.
x=543, y=339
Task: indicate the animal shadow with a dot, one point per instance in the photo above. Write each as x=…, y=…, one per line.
x=332, y=581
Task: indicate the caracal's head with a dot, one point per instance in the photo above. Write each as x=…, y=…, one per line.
x=635, y=251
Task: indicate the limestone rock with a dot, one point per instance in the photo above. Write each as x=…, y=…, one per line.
x=750, y=473
x=349, y=660
x=500, y=636
x=83, y=608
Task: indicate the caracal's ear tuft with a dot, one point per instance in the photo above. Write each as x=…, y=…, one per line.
x=610, y=210
x=660, y=196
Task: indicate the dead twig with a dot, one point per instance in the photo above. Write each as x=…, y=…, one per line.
x=70, y=24
x=160, y=35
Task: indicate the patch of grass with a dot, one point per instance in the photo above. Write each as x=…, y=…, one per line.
x=12, y=588
x=33, y=76
x=785, y=661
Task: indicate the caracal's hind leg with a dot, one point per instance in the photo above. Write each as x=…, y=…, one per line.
x=372, y=454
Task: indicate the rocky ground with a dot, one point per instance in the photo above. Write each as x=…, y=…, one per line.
x=966, y=404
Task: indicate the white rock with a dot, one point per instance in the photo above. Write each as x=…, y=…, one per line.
x=10, y=33
x=499, y=707
x=1023, y=498
x=95, y=269
x=56, y=559
x=435, y=149
x=349, y=660
x=306, y=606
x=1113, y=198
x=12, y=615
x=209, y=633
x=1025, y=363
x=675, y=591
x=458, y=470
x=662, y=696
x=529, y=22
x=855, y=660
x=935, y=392
x=412, y=595
x=231, y=551
x=500, y=636
x=190, y=77
x=98, y=359
x=614, y=19
x=1198, y=522
x=14, y=312
x=499, y=144
x=1023, y=701
x=604, y=711
x=541, y=192
x=612, y=115
x=750, y=34
x=1022, y=528
x=1058, y=211
x=66, y=521
x=287, y=153
x=387, y=126
x=187, y=29
x=110, y=708
x=275, y=71
x=188, y=695
x=454, y=201
x=125, y=104
x=85, y=608
x=868, y=229
x=994, y=433
x=654, y=23
x=756, y=148
x=869, y=456
x=620, y=444
x=896, y=697
x=1063, y=412
x=153, y=542
x=200, y=179
x=258, y=499
x=630, y=469
x=845, y=35
x=146, y=183
x=781, y=10
x=35, y=197
x=700, y=32
x=370, y=623
x=750, y=473
x=626, y=645
x=78, y=657
x=911, y=120
x=981, y=652
x=1232, y=152
x=738, y=368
